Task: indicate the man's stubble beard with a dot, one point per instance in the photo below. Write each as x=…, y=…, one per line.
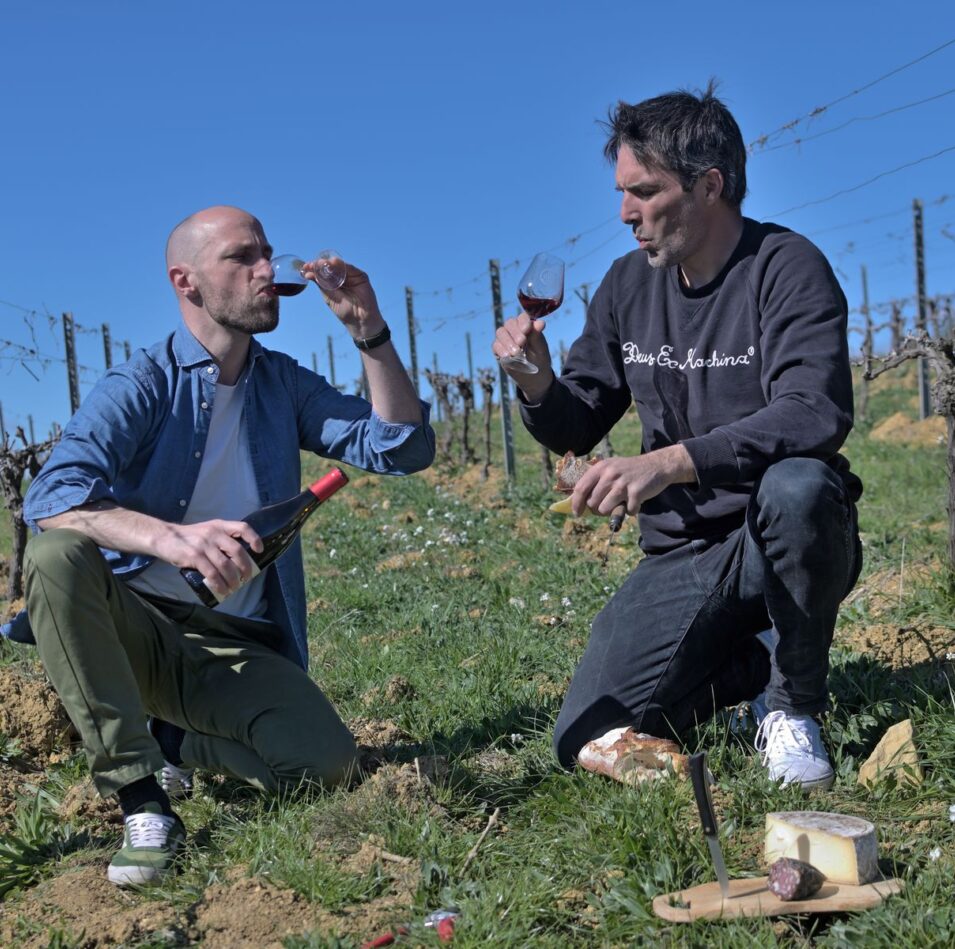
x=680, y=243
x=260, y=315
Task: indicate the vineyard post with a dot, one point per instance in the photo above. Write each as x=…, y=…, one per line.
x=583, y=294
x=897, y=326
x=127, y=350
x=3, y=428
x=467, y=341
x=504, y=379
x=72, y=377
x=434, y=391
x=107, y=347
x=925, y=406
x=314, y=363
x=30, y=426
x=412, y=339
x=866, y=346
x=331, y=363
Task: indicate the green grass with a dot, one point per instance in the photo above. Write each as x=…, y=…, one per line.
x=477, y=677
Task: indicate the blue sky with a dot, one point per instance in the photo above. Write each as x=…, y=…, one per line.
x=422, y=139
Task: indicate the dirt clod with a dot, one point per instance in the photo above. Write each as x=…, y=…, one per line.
x=31, y=713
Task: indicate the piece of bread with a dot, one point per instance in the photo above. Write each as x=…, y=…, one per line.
x=632, y=757
x=570, y=469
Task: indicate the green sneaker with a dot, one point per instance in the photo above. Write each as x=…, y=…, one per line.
x=150, y=844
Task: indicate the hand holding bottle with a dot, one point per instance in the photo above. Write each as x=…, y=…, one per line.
x=273, y=528
x=217, y=549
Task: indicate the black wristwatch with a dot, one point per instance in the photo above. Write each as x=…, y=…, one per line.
x=370, y=342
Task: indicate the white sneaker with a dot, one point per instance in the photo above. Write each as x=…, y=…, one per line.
x=151, y=842
x=175, y=781
x=792, y=748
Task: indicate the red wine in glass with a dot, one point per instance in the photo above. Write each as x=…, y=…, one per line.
x=541, y=291
x=289, y=281
x=288, y=289
x=537, y=307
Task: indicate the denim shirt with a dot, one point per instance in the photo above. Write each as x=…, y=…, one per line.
x=138, y=440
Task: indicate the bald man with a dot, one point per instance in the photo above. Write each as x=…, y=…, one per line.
x=153, y=474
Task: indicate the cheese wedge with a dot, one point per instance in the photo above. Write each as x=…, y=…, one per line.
x=844, y=849
x=562, y=506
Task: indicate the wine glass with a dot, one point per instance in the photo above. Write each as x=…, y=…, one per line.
x=541, y=291
x=289, y=281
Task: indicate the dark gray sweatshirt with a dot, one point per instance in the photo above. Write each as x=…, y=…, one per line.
x=748, y=370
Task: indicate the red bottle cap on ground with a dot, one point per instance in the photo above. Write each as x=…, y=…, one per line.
x=328, y=484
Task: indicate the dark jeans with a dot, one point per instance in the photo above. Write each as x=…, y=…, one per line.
x=677, y=640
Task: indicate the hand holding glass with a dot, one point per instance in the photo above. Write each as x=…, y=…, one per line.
x=541, y=291
x=289, y=280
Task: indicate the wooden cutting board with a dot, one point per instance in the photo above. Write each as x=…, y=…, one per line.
x=753, y=897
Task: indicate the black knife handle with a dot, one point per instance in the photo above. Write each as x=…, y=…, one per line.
x=701, y=789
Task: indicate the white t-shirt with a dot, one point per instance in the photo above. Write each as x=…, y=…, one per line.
x=225, y=489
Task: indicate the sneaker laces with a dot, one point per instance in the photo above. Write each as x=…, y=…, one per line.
x=780, y=734
x=149, y=830
x=175, y=781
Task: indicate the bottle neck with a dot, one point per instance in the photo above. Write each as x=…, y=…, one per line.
x=327, y=485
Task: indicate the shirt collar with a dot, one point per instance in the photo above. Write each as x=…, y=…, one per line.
x=190, y=352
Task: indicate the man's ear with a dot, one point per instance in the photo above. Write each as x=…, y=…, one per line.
x=182, y=278
x=712, y=185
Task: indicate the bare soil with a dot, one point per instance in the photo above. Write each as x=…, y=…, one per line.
x=900, y=647
x=900, y=429
x=32, y=714
x=240, y=913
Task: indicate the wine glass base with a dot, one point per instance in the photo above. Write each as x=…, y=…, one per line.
x=519, y=364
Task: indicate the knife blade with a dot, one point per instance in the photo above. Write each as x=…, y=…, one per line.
x=704, y=802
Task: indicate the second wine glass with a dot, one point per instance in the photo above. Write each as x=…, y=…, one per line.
x=289, y=280
x=541, y=291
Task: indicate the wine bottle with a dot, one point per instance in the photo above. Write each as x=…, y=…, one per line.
x=278, y=525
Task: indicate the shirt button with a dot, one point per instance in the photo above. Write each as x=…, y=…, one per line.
x=210, y=369
x=205, y=405
x=198, y=454
x=182, y=502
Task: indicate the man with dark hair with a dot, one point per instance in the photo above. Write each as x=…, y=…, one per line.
x=154, y=473
x=730, y=337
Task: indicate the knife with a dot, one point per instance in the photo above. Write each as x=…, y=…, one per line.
x=704, y=802
x=616, y=521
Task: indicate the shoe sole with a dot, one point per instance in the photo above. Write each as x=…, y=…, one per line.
x=135, y=876
x=820, y=784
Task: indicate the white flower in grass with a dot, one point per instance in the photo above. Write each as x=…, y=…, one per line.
x=565, y=601
x=516, y=738
x=429, y=512
x=951, y=813
x=419, y=529
x=935, y=853
x=545, y=597
x=353, y=571
x=950, y=656
x=517, y=602
x=332, y=552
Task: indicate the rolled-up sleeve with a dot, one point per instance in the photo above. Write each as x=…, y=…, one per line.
x=346, y=428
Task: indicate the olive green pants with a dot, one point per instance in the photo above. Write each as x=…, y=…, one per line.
x=114, y=657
